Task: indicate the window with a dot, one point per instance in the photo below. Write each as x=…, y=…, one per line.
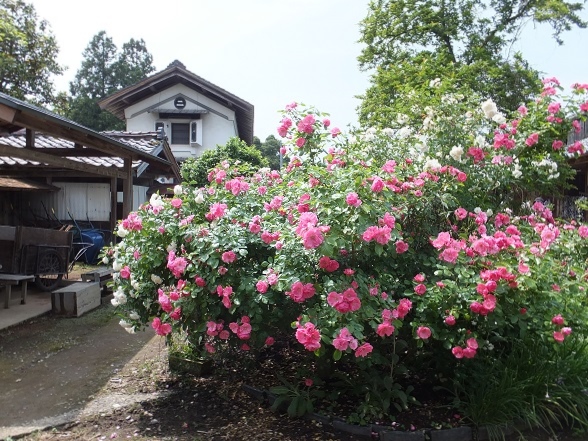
x=193, y=132
x=180, y=133
x=159, y=126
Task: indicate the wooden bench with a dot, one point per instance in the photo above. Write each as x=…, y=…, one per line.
x=101, y=275
x=8, y=280
x=76, y=299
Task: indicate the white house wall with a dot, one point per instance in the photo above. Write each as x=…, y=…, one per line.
x=217, y=124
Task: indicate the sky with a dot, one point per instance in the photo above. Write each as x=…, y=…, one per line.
x=267, y=52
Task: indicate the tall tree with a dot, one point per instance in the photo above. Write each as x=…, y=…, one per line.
x=28, y=53
x=462, y=42
x=105, y=70
x=133, y=64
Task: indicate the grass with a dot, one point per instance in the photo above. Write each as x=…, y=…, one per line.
x=534, y=386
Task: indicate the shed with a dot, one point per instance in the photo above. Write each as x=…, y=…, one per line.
x=41, y=153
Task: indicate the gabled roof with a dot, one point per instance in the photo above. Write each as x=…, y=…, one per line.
x=176, y=73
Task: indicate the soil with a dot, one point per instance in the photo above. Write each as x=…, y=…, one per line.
x=87, y=379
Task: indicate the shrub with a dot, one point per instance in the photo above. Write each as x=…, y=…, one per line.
x=392, y=251
x=246, y=158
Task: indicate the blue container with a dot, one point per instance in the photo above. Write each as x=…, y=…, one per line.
x=95, y=238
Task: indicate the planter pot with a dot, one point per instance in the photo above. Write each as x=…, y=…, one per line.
x=185, y=366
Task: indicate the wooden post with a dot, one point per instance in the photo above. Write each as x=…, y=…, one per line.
x=30, y=138
x=113, y=202
x=128, y=188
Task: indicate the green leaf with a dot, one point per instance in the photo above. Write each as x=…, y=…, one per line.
x=337, y=355
x=279, y=390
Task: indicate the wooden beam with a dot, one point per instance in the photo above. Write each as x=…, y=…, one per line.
x=35, y=155
x=30, y=138
x=86, y=152
x=7, y=113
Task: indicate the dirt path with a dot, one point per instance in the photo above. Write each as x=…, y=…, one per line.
x=52, y=367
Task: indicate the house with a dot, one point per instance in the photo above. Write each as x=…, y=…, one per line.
x=194, y=114
x=53, y=170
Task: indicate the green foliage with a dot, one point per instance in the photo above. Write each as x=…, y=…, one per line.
x=28, y=53
x=247, y=158
x=270, y=150
x=535, y=385
x=465, y=43
x=103, y=71
x=297, y=401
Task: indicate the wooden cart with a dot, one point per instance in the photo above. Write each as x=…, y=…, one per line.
x=41, y=252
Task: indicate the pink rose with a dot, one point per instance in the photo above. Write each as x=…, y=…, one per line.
x=420, y=289
x=229, y=257
x=125, y=273
x=450, y=320
x=401, y=247
x=423, y=332
x=262, y=286
x=364, y=350
x=353, y=199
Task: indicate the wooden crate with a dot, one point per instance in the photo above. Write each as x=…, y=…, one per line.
x=76, y=299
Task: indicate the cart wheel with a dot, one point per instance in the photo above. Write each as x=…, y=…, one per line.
x=51, y=267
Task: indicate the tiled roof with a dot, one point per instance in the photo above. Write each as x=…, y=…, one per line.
x=144, y=141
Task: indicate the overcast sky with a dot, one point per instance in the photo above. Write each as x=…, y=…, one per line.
x=267, y=52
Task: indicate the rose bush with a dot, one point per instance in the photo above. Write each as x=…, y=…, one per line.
x=381, y=248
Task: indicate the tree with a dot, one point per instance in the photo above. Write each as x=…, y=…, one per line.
x=270, y=150
x=462, y=42
x=133, y=64
x=104, y=71
x=246, y=158
x=28, y=53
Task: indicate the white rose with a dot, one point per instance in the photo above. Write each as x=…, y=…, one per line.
x=432, y=164
x=116, y=265
x=499, y=118
x=480, y=141
x=134, y=316
x=404, y=132
x=456, y=153
x=156, y=279
x=388, y=131
x=122, y=231
x=489, y=108
x=401, y=118
x=178, y=190
x=199, y=199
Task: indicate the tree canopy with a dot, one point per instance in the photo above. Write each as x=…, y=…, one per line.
x=462, y=42
x=103, y=71
x=28, y=53
x=270, y=150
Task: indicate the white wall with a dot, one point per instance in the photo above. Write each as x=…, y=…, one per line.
x=82, y=200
